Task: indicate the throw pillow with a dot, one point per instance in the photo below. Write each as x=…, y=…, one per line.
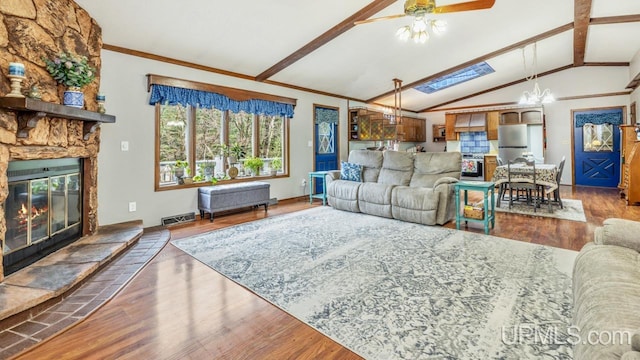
x=350, y=171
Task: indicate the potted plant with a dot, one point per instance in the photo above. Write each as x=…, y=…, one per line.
x=254, y=164
x=178, y=168
x=236, y=152
x=74, y=72
x=276, y=164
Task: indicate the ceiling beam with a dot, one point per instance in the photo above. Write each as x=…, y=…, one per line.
x=511, y=103
x=615, y=19
x=373, y=8
x=210, y=69
x=482, y=58
x=581, y=18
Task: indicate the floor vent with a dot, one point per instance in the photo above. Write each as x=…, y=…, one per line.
x=178, y=219
x=273, y=201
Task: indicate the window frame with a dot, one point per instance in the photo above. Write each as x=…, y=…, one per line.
x=238, y=94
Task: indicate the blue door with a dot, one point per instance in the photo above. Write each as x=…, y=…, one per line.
x=326, y=141
x=597, y=147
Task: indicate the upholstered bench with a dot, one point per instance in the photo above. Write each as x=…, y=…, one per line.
x=232, y=196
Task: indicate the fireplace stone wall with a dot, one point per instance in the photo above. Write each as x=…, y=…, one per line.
x=31, y=30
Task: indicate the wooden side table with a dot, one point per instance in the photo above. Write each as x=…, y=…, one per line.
x=323, y=195
x=487, y=188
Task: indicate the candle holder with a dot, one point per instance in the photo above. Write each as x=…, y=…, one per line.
x=100, y=99
x=16, y=86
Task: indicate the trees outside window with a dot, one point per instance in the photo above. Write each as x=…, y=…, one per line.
x=197, y=136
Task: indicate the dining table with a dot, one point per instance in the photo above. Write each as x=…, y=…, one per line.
x=545, y=176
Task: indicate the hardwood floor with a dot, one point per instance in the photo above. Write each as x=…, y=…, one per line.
x=178, y=308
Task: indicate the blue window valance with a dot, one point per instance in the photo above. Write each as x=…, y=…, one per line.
x=599, y=118
x=172, y=95
x=326, y=115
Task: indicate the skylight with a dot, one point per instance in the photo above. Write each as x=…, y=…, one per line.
x=455, y=78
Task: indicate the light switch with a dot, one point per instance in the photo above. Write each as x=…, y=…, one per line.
x=124, y=145
x=310, y=143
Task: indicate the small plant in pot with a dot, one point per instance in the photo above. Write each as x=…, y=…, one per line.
x=276, y=165
x=179, y=169
x=236, y=152
x=254, y=164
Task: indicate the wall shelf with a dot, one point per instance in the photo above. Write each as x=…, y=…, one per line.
x=30, y=111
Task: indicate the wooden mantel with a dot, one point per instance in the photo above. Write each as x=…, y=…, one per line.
x=30, y=111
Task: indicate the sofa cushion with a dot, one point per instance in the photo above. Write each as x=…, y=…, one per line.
x=375, y=199
x=343, y=195
x=429, y=167
x=397, y=168
x=620, y=232
x=371, y=161
x=606, y=291
x=350, y=171
x=415, y=204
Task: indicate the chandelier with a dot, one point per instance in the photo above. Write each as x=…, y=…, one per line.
x=418, y=29
x=537, y=96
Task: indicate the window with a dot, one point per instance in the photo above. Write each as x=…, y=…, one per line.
x=597, y=138
x=455, y=78
x=197, y=144
x=196, y=136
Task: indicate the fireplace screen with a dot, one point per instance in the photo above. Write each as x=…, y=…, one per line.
x=44, y=202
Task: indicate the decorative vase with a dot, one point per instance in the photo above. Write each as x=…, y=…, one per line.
x=73, y=97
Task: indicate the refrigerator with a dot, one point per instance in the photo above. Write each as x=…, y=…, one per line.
x=514, y=140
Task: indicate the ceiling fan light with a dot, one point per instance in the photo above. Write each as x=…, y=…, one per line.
x=421, y=37
x=403, y=33
x=548, y=98
x=419, y=24
x=438, y=26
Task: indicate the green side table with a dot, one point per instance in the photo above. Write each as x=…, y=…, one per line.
x=323, y=195
x=487, y=188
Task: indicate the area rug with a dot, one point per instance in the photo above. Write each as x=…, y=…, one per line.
x=572, y=209
x=388, y=289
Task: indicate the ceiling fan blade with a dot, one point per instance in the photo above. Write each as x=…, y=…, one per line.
x=379, y=19
x=465, y=6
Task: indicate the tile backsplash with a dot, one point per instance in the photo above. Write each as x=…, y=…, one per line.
x=474, y=142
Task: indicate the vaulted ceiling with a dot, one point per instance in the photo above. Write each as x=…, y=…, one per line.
x=314, y=45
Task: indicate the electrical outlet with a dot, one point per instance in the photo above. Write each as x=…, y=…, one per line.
x=303, y=183
x=132, y=206
x=124, y=145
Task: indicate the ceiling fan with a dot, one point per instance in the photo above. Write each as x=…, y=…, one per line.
x=420, y=8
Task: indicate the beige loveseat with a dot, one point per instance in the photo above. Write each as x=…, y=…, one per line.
x=415, y=187
x=606, y=294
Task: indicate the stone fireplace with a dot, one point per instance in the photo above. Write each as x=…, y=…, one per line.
x=30, y=31
x=43, y=210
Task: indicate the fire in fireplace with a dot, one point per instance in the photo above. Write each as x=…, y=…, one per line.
x=43, y=211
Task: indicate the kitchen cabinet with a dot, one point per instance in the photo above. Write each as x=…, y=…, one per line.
x=450, y=127
x=371, y=125
x=439, y=133
x=528, y=116
x=493, y=119
x=490, y=164
x=412, y=129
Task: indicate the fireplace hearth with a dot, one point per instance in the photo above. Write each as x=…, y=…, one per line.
x=43, y=211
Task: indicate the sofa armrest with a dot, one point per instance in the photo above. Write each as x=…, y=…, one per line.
x=333, y=175
x=445, y=180
x=620, y=232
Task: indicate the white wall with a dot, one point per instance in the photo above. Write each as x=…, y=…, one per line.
x=581, y=81
x=129, y=176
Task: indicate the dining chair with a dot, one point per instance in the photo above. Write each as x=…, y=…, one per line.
x=515, y=182
x=556, y=192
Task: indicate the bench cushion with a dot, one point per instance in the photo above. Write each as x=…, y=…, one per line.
x=232, y=188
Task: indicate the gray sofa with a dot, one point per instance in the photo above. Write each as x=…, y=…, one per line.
x=415, y=187
x=606, y=293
